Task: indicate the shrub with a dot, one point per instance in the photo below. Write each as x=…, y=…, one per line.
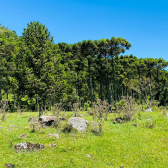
x=126, y=108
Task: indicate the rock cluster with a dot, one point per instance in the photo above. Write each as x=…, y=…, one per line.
x=28, y=146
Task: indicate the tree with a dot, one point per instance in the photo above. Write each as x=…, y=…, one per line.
x=88, y=50
x=38, y=56
x=116, y=46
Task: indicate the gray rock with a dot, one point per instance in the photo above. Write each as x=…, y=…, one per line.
x=53, y=135
x=53, y=145
x=89, y=155
x=149, y=110
x=11, y=125
x=78, y=123
x=9, y=165
x=47, y=120
x=28, y=146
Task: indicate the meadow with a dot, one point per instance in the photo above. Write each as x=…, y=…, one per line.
x=142, y=142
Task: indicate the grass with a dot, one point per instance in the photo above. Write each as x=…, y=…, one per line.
x=118, y=145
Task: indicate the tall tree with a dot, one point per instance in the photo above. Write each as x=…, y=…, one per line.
x=117, y=46
x=88, y=50
x=38, y=40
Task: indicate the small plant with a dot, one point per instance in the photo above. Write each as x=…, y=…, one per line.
x=4, y=107
x=76, y=109
x=150, y=123
x=96, y=128
x=56, y=123
x=35, y=125
x=154, y=103
x=57, y=109
x=126, y=108
x=86, y=106
x=67, y=128
x=101, y=109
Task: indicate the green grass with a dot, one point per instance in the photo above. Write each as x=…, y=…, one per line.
x=118, y=145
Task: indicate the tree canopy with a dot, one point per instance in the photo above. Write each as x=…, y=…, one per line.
x=35, y=73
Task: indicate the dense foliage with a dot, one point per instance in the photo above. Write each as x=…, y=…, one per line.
x=35, y=73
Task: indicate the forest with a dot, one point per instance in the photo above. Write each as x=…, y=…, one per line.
x=36, y=73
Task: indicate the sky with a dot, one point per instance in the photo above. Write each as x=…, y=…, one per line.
x=144, y=23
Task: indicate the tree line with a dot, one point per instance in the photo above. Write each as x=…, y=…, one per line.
x=35, y=72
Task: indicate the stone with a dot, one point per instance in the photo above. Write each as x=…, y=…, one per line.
x=53, y=135
x=53, y=145
x=78, y=123
x=47, y=120
x=24, y=135
x=9, y=165
x=28, y=146
x=89, y=155
x=149, y=110
x=11, y=125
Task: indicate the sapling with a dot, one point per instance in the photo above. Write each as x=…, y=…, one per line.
x=4, y=107
x=57, y=109
x=76, y=109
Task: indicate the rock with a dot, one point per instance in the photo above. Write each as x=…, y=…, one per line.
x=47, y=120
x=53, y=135
x=53, y=145
x=9, y=165
x=11, y=125
x=24, y=135
x=149, y=110
x=28, y=146
x=78, y=123
x=89, y=155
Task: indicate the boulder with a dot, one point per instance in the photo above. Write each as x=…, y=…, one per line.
x=28, y=146
x=78, y=123
x=47, y=120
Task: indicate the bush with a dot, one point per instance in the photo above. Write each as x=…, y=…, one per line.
x=126, y=108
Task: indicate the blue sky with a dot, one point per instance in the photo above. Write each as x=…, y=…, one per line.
x=144, y=23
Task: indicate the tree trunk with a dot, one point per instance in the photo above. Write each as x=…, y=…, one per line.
x=108, y=86
x=18, y=100
x=114, y=83
x=91, y=86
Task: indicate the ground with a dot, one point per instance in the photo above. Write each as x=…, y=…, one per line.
x=142, y=143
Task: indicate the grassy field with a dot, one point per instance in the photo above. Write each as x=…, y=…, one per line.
x=141, y=143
